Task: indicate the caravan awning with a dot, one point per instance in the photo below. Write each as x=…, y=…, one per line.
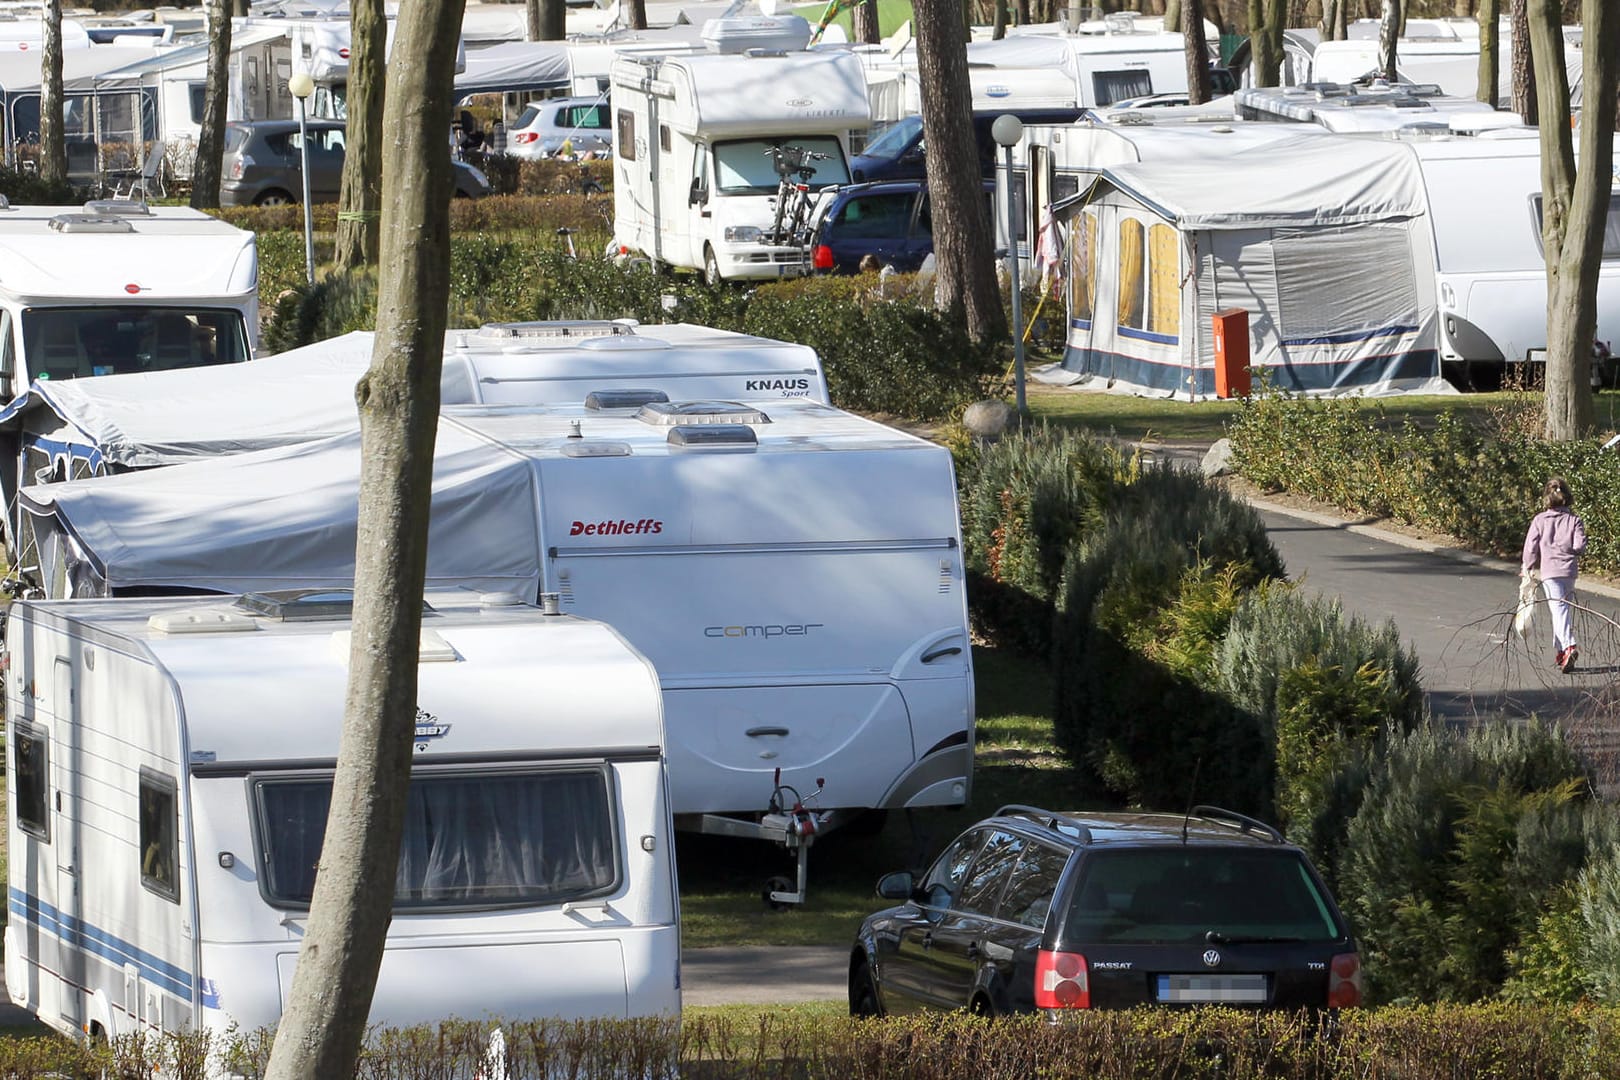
x=1312, y=179
x=514, y=66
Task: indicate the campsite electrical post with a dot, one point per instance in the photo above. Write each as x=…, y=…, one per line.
x=1007, y=130
x=302, y=85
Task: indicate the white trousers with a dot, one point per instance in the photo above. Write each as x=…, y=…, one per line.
x=1558, y=591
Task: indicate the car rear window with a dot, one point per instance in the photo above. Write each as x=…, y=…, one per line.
x=876, y=217
x=1178, y=895
x=234, y=138
x=526, y=117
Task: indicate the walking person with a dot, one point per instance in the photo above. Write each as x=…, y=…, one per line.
x=1552, y=548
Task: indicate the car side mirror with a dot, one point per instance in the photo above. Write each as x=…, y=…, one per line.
x=699, y=193
x=896, y=886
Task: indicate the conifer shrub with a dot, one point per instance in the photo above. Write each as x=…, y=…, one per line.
x=1321, y=688
x=1025, y=499
x=1457, y=846
x=1143, y=601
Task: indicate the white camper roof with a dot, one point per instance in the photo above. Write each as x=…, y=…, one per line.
x=156, y=418
x=81, y=252
x=496, y=677
x=1126, y=137
x=20, y=71
x=174, y=57
x=1299, y=181
x=1379, y=107
x=287, y=517
x=742, y=95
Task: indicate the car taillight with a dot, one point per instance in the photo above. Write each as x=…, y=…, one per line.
x=823, y=257
x=1061, y=981
x=523, y=138
x=239, y=165
x=1344, y=981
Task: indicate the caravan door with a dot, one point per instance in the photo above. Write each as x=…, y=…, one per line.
x=69, y=895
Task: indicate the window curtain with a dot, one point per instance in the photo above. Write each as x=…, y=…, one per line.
x=1164, y=281
x=1130, y=273
x=1083, y=266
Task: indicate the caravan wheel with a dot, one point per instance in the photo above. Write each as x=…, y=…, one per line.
x=711, y=266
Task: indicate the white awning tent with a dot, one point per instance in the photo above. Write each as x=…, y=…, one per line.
x=514, y=67
x=1329, y=253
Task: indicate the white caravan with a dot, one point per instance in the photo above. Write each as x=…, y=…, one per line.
x=693, y=181
x=793, y=571
x=1349, y=108
x=117, y=286
x=68, y=430
x=169, y=775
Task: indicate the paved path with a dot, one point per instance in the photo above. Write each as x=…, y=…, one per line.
x=764, y=974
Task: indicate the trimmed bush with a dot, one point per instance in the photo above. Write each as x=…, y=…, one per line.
x=1024, y=501
x=28, y=189
x=1457, y=846
x=1142, y=602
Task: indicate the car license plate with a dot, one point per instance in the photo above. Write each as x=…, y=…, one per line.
x=1227, y=989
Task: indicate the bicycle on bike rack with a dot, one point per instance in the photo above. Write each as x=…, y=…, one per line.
x=795, y=208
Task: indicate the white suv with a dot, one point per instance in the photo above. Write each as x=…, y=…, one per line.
x=544, y=126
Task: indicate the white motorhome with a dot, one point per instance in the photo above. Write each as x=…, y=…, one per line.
x=169, y=775
x=117, y=285
x=793, y=571
x=694, y=184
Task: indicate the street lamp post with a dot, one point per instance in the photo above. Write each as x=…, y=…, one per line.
x=302, y=86
x=1007, y=130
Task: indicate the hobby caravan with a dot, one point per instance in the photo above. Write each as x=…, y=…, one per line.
x=169, y=773
x=794, y=572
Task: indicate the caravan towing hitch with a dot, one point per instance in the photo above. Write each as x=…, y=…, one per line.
x=794, y=826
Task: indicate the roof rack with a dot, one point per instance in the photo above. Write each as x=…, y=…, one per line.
x=1048, y=818
x=1240, y=822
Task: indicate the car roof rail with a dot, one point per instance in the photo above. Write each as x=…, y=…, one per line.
x=1048, y=818
x=1241, y=822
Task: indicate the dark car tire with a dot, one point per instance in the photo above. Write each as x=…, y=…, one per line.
x=274, y=197
x=863, y=995
x=711, y=266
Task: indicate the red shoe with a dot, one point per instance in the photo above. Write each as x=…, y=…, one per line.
x=1558, y=659
x=1570, y=655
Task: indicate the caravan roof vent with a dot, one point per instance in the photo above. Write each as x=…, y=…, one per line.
x=298, y=605
x=627, y=398
x=592, y=448
x=201, y=620
x=118, y=208
x=560, y=328
x=431, y=648
x=90, y=223
x=668, y=414
x=713, y=437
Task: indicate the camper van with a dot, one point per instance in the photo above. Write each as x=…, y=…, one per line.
x=694, y=184
x=793, y=571
x=169, y=773
x=116, y=286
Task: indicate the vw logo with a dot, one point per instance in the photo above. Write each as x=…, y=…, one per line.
x=1212, y=958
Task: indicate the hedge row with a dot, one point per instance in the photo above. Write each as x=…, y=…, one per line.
x=1478, y=479
x=1489, y=1042
x=894, y=356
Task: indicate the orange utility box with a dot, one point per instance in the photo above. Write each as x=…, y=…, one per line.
x=1231, y=353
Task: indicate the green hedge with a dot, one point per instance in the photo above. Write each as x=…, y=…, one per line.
x=1480, y=1042
x=1478, y=479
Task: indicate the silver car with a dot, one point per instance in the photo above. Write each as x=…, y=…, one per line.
x=261, y=166
x=545, y=126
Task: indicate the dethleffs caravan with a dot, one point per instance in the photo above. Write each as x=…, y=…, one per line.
x=87, y=427
x=794, y=572
x=119, y=286
x=694, y=184
x=169, y=772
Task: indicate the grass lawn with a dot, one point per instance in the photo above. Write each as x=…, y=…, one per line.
x=722, y=880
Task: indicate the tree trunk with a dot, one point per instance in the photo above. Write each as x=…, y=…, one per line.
x=1524, y=68
x=998, y=27
x=240, y=9
x=553, y=20
x=1575, y=205
x=1264, y=57
x=211, y=139
x=1490, y=70
x=1389, y=33
x=638, y=14
x=963, y=244
x=1276, y=21
x=1021, y=12
x=52, y=138
x=864, y=20
x=1172, y=14
x=1192, y=33
x=360, y=196
x=531, y=19
x=325, y=1020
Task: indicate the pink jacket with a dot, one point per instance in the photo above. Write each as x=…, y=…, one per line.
x=1556, y=537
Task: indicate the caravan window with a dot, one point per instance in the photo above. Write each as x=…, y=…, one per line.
x=1111, y=86
x=159, y=828
x=1318, y=303
x=1082, y=266
x=626, y=135
x=744, y=166
x=1130, y=273
x=1611, y=228
x=472, y=839
x=31, y=769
